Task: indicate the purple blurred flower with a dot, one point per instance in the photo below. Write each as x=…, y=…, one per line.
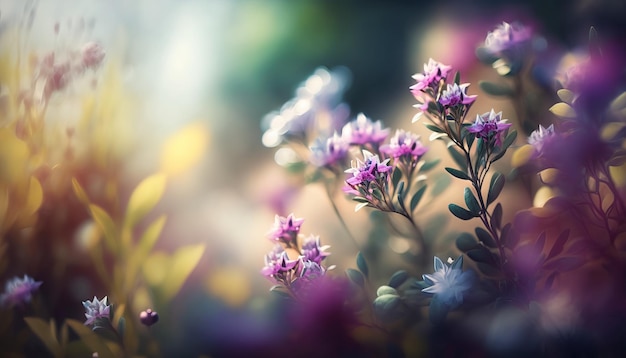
x=433, y=73
x=310, y=274
x=312, y=250
x=285, y=229
x=92, y=55
x=449, y=283
x=363, y=131
x=404, y=144
x=541, y=136
x=18, y=290
x=506, y=36
x=455, y=95
x=330, y=152
x=489, y=125
x=95, y=310
x=368, y=170
x=148, y=317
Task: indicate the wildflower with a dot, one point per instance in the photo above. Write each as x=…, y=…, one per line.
x=364, y=131
x=433, y=73
x=506, y=36
x=18, y=290
x=148, y=317
x=455, y=95
x=489, y=125
x=330, y=152
x=286, y=229
x=310, y=273
x=278, y=266
x=541, y=136
x=92, y=55
x=369, y=170
x=404, y=145
x=313, y=251
x=96, y=310
x=449, y=283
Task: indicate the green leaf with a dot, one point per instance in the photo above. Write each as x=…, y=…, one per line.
x=458, y=157
x=42, y=330
x=417, y=197
x=488, y=269
x=509, y=140
x=144, y=198
x=385, y=305
x=485, y=237
x=457, y=173
x=429, y=165
x=396, y=176
x=471, y=202
x=386, y=290
x=480, y=254
x=434, y=128
x=93, y=341
x=460, y=213
x=466, y=242
x=495, y=89
x=457, y=78
x=495, y=187
x=619, y=103
x=485, y=56
x=356, y=277
x=437, y=311
x=398, y=278
x=496, y=217
x=362, y=264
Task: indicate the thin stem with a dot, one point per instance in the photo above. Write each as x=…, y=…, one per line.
x=340, y=217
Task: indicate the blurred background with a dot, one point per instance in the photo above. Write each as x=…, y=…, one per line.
x=217, y=68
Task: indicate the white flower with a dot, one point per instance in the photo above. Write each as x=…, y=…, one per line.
x=449, y=283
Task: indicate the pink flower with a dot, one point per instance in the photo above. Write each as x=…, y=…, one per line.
x=285, y=229
x=433, y=73
x=364, y=131
x=95, y=310
x=489, y=125
x=18, y=291
x=404, y=145
x=455, y=95
x=92, y=55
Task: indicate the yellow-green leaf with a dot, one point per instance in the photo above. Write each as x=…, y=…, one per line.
x=35, y=196
x=522, y=155
x=91, y=339
x=144, y=198
x=42, y=330
x=566, y=95
x=182, y=264
x=619, y=103
x=184, y=149
x=563, y=110
x=80, y=192
x=610, y=130
x=146, y=243
x=106, y=224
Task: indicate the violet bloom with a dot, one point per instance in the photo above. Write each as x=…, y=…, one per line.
x=148, y=317
x=332, y=151
x=278, y=267
x=312, y=250
x=433, y=73
x=449, y=283
x=506, y=36
x=310, y=273
x=286, y=229
x=96, y=310
x=363, y=131
x=455, y=95
x=404, y=145
x=368, y=170
x=18, y=291
x=489, y=125
x=541, y=136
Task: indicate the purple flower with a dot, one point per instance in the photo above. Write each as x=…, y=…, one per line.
x=489, y=125
x=278, y=267
x=18, y=290
x=95, y=310
x=455, y=95
x=285, y=229
x=541, y=136
x=310, y=273
x=449, y=283
x=330, y=152
x=433, y=73
x=506, y=36
x=368, y=170
x=148, y=317
x=363, y=131
x=404, y=145
x=312, y=250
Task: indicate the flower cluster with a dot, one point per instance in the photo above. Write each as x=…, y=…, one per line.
x=19, y=291
x=296, y=276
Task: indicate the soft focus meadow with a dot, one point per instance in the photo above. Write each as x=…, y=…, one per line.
x=312, y=178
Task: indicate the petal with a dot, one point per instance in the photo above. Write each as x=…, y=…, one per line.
x=439, y=265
